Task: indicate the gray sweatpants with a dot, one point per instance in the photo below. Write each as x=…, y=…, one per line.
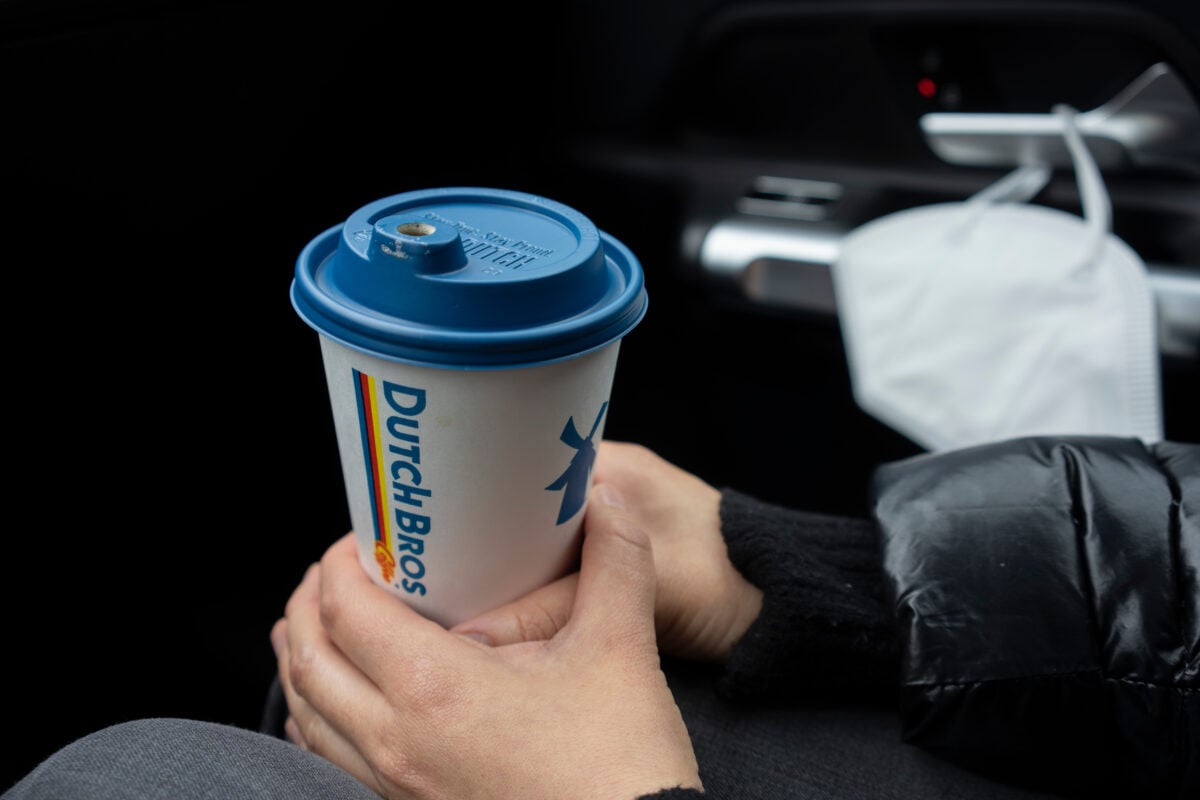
x=748, y=753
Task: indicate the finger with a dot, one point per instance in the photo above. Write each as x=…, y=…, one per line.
x=607, y=453
x=374, y=628
x=336, y=708
x=292, y=731
x=615, y=596
x=306, y=728
x=537, y=616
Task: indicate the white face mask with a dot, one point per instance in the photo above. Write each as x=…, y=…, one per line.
x=971, y=322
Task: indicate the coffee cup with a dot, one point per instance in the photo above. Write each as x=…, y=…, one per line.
x=469, y=338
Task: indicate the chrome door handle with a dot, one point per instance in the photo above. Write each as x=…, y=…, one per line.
x=1154, y=122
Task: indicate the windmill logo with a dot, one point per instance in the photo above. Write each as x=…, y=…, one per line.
x=573, y=483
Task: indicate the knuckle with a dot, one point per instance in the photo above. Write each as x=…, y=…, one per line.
x=641, y=455
x=330, y=608
x=397, y=769
x=538, y=623
x=300, y=668
x=312, y=734
x=624, y=457
x=432, y=690
x=392, y=764
x=632, y=534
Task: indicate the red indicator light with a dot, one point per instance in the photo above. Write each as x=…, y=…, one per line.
x=926, y=87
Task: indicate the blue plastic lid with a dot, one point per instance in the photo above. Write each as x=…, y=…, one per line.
x=470, y=278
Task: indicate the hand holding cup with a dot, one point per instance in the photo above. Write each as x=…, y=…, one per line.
x=416, y=711
x=703, y=604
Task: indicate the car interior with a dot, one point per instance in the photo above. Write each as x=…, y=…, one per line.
x=166, y=162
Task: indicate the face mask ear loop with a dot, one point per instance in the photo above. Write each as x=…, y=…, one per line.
x=1018, y=186
x=1097, y=208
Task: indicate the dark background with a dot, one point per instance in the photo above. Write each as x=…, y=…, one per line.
x=173, y=461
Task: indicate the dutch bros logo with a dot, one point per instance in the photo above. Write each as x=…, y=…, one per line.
x=574, y=481
x=392, y=457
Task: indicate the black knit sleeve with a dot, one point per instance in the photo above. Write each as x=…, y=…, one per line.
x=824, y=629
x=676, y=793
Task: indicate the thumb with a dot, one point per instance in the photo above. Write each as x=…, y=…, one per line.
x=615, y=596
x=537, y=616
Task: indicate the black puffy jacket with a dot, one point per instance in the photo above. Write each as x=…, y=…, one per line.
x=1047, y=593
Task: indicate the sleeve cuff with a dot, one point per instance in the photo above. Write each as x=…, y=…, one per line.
x=824, y=627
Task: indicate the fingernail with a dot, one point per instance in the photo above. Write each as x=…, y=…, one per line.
x=610, y=496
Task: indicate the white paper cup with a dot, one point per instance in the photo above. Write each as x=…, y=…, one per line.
x=469, y=394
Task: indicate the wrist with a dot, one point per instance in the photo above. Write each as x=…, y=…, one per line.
x=742, y=609
x=823, y=623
